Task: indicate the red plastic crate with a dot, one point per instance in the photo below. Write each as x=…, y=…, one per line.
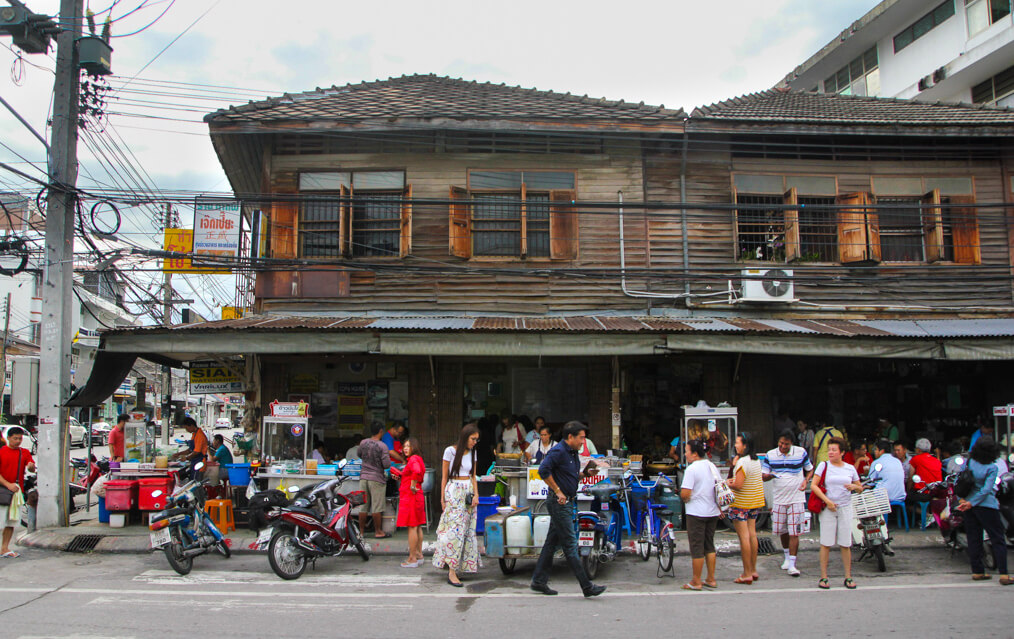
x=147, y=501
x=121, y=494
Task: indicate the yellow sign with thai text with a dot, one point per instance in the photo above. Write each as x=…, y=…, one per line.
x=182, y=241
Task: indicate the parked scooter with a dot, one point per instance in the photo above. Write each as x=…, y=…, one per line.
x=184, y=530
x=869, y=530
x=318, y=523
x=950, y=520
x=598, y=531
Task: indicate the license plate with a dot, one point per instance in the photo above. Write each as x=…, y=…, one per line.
x=586, y=539
x=160, y=538
x=265, y=536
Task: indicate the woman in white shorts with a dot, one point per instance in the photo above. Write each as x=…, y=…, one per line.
x=839, y=480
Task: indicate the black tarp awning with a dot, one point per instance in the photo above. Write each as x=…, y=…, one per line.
x=108, y=372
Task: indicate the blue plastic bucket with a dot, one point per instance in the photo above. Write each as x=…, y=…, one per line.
x=487, y=507
x=103, y=513
x=239, y=474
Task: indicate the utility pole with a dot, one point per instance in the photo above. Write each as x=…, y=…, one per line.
x=167, y=309
x=54, y=371
x=7, y=328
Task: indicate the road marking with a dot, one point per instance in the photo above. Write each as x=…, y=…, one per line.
x=275, y=593
x=169, y=577
x=232, y=603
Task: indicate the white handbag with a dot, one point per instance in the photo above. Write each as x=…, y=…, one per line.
x=723, y=494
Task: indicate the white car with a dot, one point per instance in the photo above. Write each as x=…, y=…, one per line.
x=223, y=422
x=77, y=433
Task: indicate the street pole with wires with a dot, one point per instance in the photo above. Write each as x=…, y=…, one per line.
x=58, y=278
x=167, y=309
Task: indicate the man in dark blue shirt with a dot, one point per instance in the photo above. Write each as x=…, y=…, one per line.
x=560, y=469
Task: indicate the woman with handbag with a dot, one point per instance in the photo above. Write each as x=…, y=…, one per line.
x=834, y=481
x=699, y=490
x=982, y=511
x=457, y=549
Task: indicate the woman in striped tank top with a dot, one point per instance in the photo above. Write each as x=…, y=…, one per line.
x=747, y=483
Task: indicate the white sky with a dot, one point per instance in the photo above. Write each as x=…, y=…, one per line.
x=674, y=52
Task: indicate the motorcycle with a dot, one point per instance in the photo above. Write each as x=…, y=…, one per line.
x=184, y=531
x=951, y=521
x=318, y=523
x=869, y=530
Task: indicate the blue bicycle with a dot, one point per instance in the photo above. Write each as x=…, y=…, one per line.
x=184, y=530
x=656, y=529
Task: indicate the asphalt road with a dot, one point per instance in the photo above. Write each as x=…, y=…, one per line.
x=47, y=594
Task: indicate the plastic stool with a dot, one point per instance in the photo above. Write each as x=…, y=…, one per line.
x=903, y=514
x=220, y=511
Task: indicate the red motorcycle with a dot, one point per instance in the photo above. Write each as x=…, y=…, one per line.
x=317, y=523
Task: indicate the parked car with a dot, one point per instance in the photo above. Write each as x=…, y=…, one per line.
x=100, y=433
x=77, y=433
x=223, y=422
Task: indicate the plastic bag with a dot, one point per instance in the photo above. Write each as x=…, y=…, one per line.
x=14, y=510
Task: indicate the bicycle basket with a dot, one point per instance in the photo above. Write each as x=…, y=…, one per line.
x=357, y=498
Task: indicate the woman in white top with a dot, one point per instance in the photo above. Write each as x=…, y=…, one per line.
x=537, y=450
x=840, y=481
x=457, y=549
x=698, y=491
x=512, y=440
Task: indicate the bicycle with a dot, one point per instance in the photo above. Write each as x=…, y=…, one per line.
x=656, y=528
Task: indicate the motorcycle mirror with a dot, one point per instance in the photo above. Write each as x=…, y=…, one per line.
x=199, y=466
x=156, y=493
x=959, y=461
x=916, y=479
x=293, y=489
x=342, y=463
x=878, y=467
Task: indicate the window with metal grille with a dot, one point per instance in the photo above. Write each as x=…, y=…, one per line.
x=496, y=224
x=760, y=230
x=376, y=224
x=320, y=227
x=901, y=229
x=861, y=76
x=818, y=230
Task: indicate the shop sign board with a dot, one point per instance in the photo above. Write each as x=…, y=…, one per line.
x=210, y=377
x=538, y=489
x=289, y=409
x=217, y=228
x=1003, y=411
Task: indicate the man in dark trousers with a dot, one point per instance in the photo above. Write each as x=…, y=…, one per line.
x=560, y=469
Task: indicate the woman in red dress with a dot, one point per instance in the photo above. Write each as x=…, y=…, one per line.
x=411, y=501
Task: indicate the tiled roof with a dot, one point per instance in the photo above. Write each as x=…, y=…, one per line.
x=781, y=105
x=932, y=328
x=431, y=96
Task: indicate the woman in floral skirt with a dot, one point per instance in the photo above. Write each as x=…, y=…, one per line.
x=457, y=549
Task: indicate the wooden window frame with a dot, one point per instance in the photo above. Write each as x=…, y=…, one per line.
x=346, y=211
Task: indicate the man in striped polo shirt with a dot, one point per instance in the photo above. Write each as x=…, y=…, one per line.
x=790, y=468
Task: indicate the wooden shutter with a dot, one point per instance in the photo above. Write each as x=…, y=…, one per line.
x=858, y=230
x=524, y=220
x=965, y=230
x=932, y=226
x=284, y=227
x=459, y=232
x=345, y=221
x=563, y=227
x=406, y=222
x=792, y=244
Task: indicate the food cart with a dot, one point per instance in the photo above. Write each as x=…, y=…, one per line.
x=1002, y=416
x=138, y=439
x=716, y=424
x=285, y=446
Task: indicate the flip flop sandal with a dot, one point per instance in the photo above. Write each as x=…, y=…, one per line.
x=691, y=587
x=824, y=584
x=384, y=536
x=755, y=577
x=10, y=554
x=713, y=586
x=1005, y=581
x=974, y=577
x=851, y=585
x=740, y=580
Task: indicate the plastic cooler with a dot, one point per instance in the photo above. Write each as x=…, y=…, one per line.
x=239, y=474
x=121, y=494
x=487, y=507
x=148, y=501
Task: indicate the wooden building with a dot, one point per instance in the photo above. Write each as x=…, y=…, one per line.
x=448, y=250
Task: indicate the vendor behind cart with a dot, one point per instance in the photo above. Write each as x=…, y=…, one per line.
x=197, y=447
x=539, y=448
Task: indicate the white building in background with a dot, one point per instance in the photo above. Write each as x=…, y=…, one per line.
x=927, y=50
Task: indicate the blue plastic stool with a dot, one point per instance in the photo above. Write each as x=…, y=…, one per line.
x=904, y=513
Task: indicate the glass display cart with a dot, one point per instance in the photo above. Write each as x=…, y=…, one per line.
x=718, y=425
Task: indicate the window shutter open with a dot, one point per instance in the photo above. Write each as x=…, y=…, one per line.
x=791, y=225
x=460, y=223
x=345, y=221
x=965, y=230
x=524, y=220
x=858, y=230
x=406, y=222
x=563, y=225
x=284, y=220
x=932, y=227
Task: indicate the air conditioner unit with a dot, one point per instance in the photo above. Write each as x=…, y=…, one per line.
x=772, y=285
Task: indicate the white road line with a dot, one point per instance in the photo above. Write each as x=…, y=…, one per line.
x=232, y=603
x=611, y=594
x=209, y=577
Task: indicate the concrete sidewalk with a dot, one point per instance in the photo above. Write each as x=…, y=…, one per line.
x=88, y=535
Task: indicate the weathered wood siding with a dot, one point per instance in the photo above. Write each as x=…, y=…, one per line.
x=599, y=178
x=713, y=250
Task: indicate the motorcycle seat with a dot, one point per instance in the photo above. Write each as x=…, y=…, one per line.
x=665, y=513
x=305, y=511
